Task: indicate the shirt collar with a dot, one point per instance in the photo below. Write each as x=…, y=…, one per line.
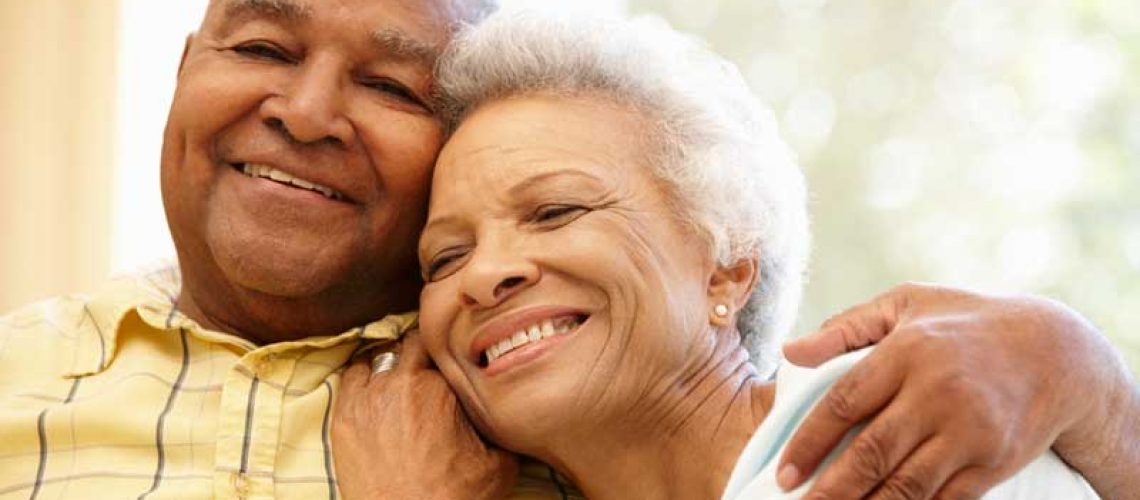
x=152, y=296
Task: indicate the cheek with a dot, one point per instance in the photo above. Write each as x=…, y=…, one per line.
x=211, y=97
x=644, y=267
x=658, y=281
x=436, y=315
x=403, y=149
x=437, y=322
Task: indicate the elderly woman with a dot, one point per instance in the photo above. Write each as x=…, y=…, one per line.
x=614, y=248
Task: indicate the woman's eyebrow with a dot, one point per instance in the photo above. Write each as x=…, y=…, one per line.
x=538, y=179
x=516, y=191
x=437, y=222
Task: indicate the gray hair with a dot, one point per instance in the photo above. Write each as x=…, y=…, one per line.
x=471, y=12
x=734, y=181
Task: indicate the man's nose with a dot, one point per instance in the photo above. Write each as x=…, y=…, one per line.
x=311, y=108
x=495, y=274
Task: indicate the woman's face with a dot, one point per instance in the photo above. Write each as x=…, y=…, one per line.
x=562, y=294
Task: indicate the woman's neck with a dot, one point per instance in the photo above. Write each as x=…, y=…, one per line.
x=686, y=452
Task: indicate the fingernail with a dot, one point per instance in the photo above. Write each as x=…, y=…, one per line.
x=788, y=477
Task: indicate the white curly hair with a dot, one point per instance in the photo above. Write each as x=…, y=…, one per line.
x=731, y=177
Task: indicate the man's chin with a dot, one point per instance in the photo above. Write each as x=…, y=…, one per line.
x=282, y=272
x=286, y=280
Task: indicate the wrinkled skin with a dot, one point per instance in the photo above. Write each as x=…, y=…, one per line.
x=962, y=391
x=318, y=100
x=310, y=91
x=425, y=435
x=335, y=92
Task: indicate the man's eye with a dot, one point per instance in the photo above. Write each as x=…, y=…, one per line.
x=557, y=214
x=263, y=51
x=443, y=265
x=395, y=90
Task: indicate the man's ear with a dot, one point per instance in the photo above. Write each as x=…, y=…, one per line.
x=729, y=289
x=185, y=51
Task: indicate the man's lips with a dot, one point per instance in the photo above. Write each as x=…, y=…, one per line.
x=264, y=171
x=513, y=331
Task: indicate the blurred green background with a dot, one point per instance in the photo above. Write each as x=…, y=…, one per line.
x=987, y=144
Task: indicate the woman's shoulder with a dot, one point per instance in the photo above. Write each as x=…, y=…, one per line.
x=799, y=389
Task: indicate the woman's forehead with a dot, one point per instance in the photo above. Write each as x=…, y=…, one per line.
x=538, y=133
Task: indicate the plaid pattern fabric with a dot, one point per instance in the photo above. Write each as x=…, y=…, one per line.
x=121, y=396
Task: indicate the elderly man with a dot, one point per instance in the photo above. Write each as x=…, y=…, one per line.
x=294, y=174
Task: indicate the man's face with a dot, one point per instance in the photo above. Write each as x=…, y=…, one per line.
x=298, y=152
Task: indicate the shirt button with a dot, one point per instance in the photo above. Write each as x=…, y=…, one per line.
x=241, y=484
x=265, y=365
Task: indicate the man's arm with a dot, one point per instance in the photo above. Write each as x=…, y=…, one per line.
x=963, y=390
x=1106, y=448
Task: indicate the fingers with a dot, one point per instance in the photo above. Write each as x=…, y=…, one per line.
x=816, y=348
x=923, y=474
x=862, y=392
x=413, y=354
x=857, y=327
x=351, y=392
x=873, y=457
x=967, y=484
x=355, y=375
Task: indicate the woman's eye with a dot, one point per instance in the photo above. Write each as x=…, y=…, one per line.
x=442, y=266
x=262, y=51
x=547, y=214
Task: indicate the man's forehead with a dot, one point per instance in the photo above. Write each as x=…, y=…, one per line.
x=288, y=9
x=465, y=10
x=392, y=40
x=445, y=11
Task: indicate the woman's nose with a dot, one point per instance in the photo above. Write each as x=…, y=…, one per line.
x=491, y=277
x=311, y=109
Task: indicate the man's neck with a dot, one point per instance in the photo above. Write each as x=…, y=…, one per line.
x=264, y=319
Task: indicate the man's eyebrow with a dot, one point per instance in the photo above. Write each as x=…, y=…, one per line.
x=402, y=46
x=287, y=11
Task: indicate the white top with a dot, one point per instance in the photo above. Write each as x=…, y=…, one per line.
x=798, y=389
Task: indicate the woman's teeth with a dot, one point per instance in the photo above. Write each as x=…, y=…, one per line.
x=267, y=172
x=534, y=333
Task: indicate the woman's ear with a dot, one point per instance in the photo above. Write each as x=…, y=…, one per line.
x=729, y=289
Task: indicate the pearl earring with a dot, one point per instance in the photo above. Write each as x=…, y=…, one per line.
x=721, y=310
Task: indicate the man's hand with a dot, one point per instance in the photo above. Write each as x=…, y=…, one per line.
x=403, y=435
x=963, y=391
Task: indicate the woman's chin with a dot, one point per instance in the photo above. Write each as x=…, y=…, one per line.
x=533, y=396
x=525, y=438
x=531, y=419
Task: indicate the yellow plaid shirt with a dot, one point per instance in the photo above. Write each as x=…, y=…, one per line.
x=121, y=396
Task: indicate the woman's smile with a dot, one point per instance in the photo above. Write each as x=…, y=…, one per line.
x=519, y=337
x=556, y=277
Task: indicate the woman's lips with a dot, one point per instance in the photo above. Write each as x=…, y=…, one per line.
x=532, y=334
x=519, y=336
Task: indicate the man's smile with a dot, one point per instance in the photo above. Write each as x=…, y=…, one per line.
x=261, y=171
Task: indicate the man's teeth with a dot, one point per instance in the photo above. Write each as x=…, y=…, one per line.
x=534, y=333
x=267, y=172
